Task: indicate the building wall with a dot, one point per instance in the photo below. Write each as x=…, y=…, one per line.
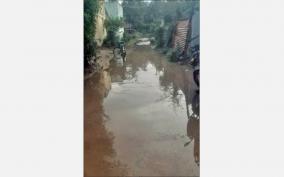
x=100, y=27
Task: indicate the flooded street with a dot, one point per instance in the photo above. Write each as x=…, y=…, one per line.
x=138, y=118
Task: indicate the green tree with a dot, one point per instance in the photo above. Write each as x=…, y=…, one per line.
x=112, y=26
x=160, y=37
x=91, y=8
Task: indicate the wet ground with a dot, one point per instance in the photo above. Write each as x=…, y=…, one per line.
x=141, y=118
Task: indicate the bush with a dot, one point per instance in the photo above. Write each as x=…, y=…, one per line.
x=127, y=37
x=173, y=57
x=90, y=11
x=112, y=25
x=160, y=37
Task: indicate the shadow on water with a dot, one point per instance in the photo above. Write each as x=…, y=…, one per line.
x=174, y=86
x=172, y=81
x=98, y=141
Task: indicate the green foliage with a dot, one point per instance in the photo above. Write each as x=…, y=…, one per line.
x=148, y=17
x=178, y=13
x=112, y=25
x=91, y=8
x=168, y=19
x=138, y=14
x=127, y=37
x=160, y=37
x=173, y=57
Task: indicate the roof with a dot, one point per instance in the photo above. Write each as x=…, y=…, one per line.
x=181, y=34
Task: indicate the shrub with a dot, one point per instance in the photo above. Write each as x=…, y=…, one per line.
x=160, y=37
x=112, y=25
x=90, y=11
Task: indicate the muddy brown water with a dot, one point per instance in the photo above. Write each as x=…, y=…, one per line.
x=139, y=118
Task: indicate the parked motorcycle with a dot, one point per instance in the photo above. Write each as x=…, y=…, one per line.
x=122, y=51
x=195, y=63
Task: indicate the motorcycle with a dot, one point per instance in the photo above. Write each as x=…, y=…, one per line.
x=122, y=50
x=195, y=63
x=195, y=56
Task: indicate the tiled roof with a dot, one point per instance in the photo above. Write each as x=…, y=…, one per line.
x=182, y=28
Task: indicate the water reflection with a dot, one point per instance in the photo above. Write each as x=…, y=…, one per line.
x=99, y=154
x=177, y=83
x=145, y=132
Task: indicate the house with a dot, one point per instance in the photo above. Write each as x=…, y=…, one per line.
x=101, y=32
x=114, y=10
x=186, y=34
